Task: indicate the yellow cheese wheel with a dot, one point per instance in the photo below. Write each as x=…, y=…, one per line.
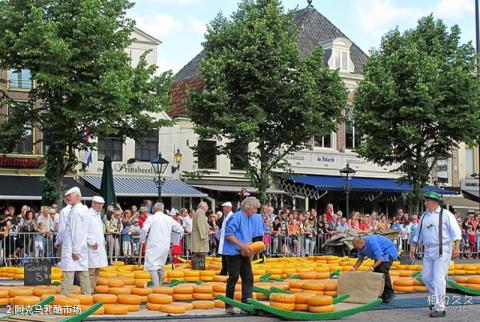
x=203, y=305
x=302, y=298
x=256, y=247
x=282, y=298
x=329, y=293
x=404, y=288
x=39, y=291
x=133, y=307
x=191, y=273
x=417, y=282
x=152, y=306
x=159, y=298
x=142, y=275
x=55, y=296
x=66, y=301
x=295, y=284
x=474, y=286
x=99, y=311
x=404, y=282
x=202, y=296
x=116, y=309
x=115, y=283
x=308, y=275
x=202, y=289
x=83, y=298
x=4, y=301
x=314, y=286
x=25, y=300
x=107, y=274
x=171, y=309
x=461, y=279
x=162, y=290
x=221, y=288
x=141, y=291
x=320, y=300
x=460, y=272
x=141, y=283
x=472, y=280
x=322, y=275
x=175, y=274
x=102, y=289
x=119, y=290
x=321, y=309
x=182, y=289
x=102, y=281
x=182, y=297
x=20, y=291
x=208, y=273
x=283, y=306
x=187, y=306
x=259, y=296
x=420, y=288
x=5, y=294
x=221, y=278
x=301, y=307
x=330, y=285
x=105, y=298
x=219, y=304
x=128, y=299
x=127, y=280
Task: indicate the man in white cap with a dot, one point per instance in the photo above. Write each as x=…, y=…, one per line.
x=74, y=244
x=227, y=213
x=157, y=235
x=97, y=254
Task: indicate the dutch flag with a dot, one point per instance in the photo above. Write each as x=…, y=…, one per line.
x=89, y=154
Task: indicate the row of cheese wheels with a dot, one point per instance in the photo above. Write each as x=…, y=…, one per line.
x=309, y=302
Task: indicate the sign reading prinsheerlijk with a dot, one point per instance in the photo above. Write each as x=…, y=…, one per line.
x=38, y=273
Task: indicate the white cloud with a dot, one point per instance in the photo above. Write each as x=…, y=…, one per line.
x=379, y=16
x=170, y=2
x=454, y=8
x=164, y=65
x=198, y=25
x=158, y=25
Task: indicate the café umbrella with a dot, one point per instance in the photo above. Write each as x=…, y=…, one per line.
x=107, y=188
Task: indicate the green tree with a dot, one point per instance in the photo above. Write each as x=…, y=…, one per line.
x=75, y=50
x=418, y=100
x=258, y=90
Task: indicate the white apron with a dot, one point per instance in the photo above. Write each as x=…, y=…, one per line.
x=96, y=257
x=74, y=239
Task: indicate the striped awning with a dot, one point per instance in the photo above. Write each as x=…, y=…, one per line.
x=146, y=187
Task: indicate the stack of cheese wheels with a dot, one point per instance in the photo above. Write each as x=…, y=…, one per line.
x=115, y=309
x=301, y=301
x=404, y=284
x=203, y=305
x=183, y=292
x=419, y=286
x=283, y=301
x=131, y=301
x=330, y=287
x=320, y=304
x=202, y=292
x=474, y=282
x=191, y=276
x=315, y=287
x=4, y=297
x=296, y=286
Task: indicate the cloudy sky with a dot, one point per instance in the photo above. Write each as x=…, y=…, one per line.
x=181, y=24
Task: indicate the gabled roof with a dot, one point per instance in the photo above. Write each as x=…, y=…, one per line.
x=146, y=37
x=313, y=29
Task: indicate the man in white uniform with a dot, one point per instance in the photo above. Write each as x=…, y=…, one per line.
x=438, y=229
x=74, y=244
x=227, y=213
x=62, y=222
x=157, y=234
x=97, y=254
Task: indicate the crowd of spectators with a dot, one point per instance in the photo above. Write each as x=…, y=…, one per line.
x=31, y=234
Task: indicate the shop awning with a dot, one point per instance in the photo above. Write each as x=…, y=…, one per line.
x=17, y=187
x=228, y=188
x=337, y=183
x=146, y=187
x=459, y=202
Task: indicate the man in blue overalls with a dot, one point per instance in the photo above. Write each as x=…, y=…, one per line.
x=437, y=231
x=383, y=252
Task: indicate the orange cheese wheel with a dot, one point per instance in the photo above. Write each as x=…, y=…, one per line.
x=404, y=282
x=461, y=279
x=133, y=307
x=203, y=305
x=182, y=297
x=116, y=309
x=83, y=298
x=474, y=286
x=66, y=301
x=330, y=293
x=102, y=281
x=115, y=283
x=321, y=309
x=219, y=304
x=105, y=298
x=38, y=291
x=322, y=275
x=159, y=298
x=187, y=306
x=314, y=286
x=25, y=300
x=257, y=247
x=162, y=290
x=220, y=288
x=259, y=296
x=283, y=306
x=420, y=288
x=153, y=306
x=127, y=280
x=202, y=296
x=141, y=291
x=417, y=282
x=301, y=307
x=142, y=275
x=99, y=311
x=320, y=300
x=128, y=299
x=473, y=280
x=20, y=291
x=141, y=283
x=302, y=298
x=4, y=301
x=282, y=298
x=220, y=278
x=330, y=285
x=102, y=289
x=202, y=289
x=295, y=284
x=44, y=296
x=119, y=290
x=144, y=298
x=307, y=275
x=171, y=309
x=404, y=288
x=5, y=294
x=182, y=289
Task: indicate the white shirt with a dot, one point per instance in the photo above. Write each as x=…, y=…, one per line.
x=96, y=234
x=187, y=224
x=75, y=239
x=157, y=231
x=222, y=232
x=62, y=222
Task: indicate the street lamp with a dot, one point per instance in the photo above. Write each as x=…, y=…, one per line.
x=178, y=160
x=159, y=165
x=347, y=174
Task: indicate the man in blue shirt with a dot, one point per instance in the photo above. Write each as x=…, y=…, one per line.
x=239, y=232
x=383, y=252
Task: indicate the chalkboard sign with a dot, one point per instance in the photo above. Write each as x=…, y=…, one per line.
x=198, y=262
x=38, y=273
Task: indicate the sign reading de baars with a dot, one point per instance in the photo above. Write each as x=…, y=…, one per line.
x=21, y=163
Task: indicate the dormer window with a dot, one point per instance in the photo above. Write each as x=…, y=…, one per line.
x=339, y=58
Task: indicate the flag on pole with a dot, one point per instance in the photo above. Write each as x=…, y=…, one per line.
x=89, y=154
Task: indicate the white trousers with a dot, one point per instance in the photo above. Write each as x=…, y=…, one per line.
x=157, y=277
x=434, y=274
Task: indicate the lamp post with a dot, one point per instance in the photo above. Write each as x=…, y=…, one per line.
x=347, y=174
x=159, y=165
x=178, y=160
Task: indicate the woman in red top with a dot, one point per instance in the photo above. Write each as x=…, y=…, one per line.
x=177, y=250
x=329, y=212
